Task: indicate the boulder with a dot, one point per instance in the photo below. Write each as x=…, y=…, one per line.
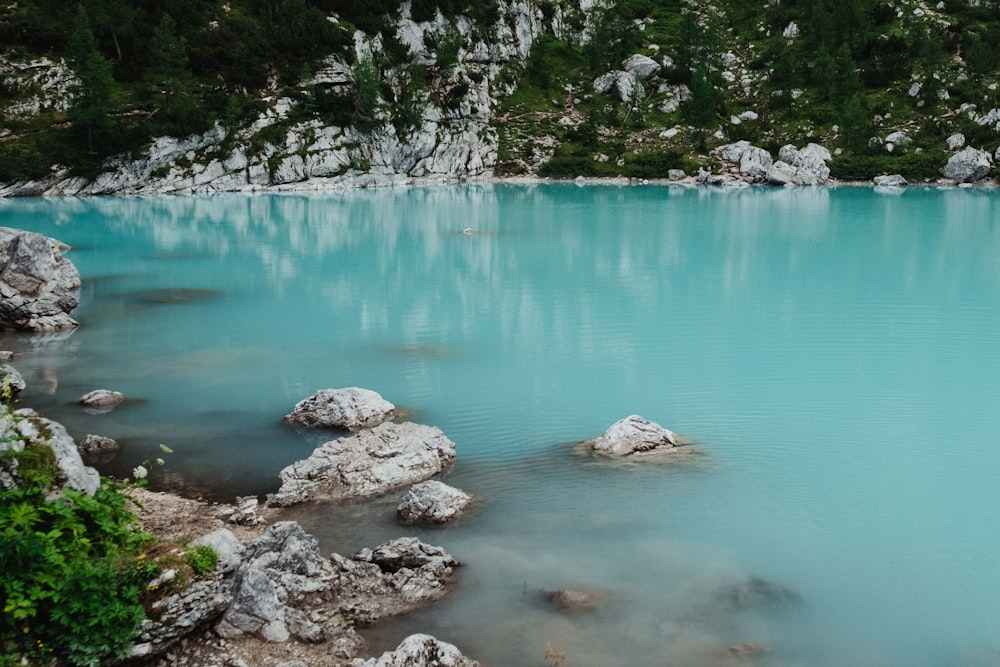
x=350, y=409
x=641, y=66
x=12, y=379
x=397, y=577
x=967, y=166
x=754, y=162
x=282, y=572
x=432, y=502
x=806, y=166
x=623, y=86
x=899, y=139
x=956, y=141
x=227, y=548
x=891, y=180
x=421, y=651
x=97, y=445
x=367, y=464
x=101, y=400
x=175, y=617
x=27, y=426
x=635, y=436
x=38, y=286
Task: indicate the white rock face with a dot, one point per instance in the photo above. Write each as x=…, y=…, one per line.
x=968, y=166
x=623, y=86
x=800, y=167
x=754, y=162
x=635, y=436
x=29, y=426
x=367, y=464
x=350, y=409
x=45, y=82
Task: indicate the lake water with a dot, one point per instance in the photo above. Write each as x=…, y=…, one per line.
x=834, y=352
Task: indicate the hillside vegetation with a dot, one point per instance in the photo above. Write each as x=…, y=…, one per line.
x=844, y=73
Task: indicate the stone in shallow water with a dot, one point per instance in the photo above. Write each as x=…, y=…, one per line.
x=572, y=601
x=350, y=409
x=756, y=593
x=38, y=286
x=367, y=464
x=432, y=502
x=101, y=400
x=421, y=651
x=635, y=436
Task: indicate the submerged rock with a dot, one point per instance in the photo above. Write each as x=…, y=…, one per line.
x=367, y=464
x=572, y=601
x=38, y=286
x=432, y=502
x=97, y=445
x=755, y=593
x=421, y=651
x=635, y=436
x=350, y=409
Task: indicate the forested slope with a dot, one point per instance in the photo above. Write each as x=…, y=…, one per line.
x=82, y=82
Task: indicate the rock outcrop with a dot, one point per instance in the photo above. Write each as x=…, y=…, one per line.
x=636, y=437
x=968, y=165
x=349, y=409
x=889, y=181
x=432, y=503
x=397, y=577
x=420, y=651
x=806, y=166
x=367, y=464
x=38, y=286
x=101, y=400
x=29, y=426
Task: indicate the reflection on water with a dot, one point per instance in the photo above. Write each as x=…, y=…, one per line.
x=832, y=352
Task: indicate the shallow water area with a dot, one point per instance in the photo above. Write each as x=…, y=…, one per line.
x=833, y=352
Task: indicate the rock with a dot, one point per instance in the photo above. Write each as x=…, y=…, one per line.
x=806, y=166
x=97, y=445
x=676, y=174
x=11, y=379
x=432, y=502
x=967, y=166
x=754, y=162
x=623, y=86
x=956, y=141
x=227, y=548
x=350, y=409
x=397, y=577
x=636, y=436
x=38, y=286
x=175, y=617
x=281, y=574
x=246, y=512
x=27, y=426
x=755, y=593
x=641, y=66
x=101, y=400
x=420, y=651
x=573, y=601
x=892, y=180
x=367, y=464
x=747, y=650
x=900, y=139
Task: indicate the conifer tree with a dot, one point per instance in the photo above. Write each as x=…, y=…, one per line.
x=93, y=94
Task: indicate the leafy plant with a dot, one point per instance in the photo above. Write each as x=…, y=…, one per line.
x=202, y=559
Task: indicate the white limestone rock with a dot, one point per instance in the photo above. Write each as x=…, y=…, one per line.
x=635, y=436
x=432, y=503
x=39, y=287
x=968, y=166
x=29, y=426
x=891, y=181
x=956, y=141
x=101, y=400
x=367, y=464
x=350, y=409
x=641, y=66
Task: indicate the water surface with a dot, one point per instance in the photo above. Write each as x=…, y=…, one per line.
x=833, y=351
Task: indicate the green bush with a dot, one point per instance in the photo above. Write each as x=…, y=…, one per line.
x=653, y=165
x=569, y=167
x=912, y=166
x=202, y=559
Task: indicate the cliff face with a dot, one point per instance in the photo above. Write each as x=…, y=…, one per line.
x=573, y=87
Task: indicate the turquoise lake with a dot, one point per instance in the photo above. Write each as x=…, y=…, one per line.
x=835, y=354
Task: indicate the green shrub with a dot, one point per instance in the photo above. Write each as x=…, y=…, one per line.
x=653, y=165
x=913, y=166
x=569, y=167
x=202, y=559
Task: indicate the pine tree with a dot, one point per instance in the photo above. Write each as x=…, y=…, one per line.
x=94, y=92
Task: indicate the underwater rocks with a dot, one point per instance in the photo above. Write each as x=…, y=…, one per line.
x=575, y=601
x=432, y=503
x=367, y=464
x=636, y=437
x=350, y=409
x=38, y=286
